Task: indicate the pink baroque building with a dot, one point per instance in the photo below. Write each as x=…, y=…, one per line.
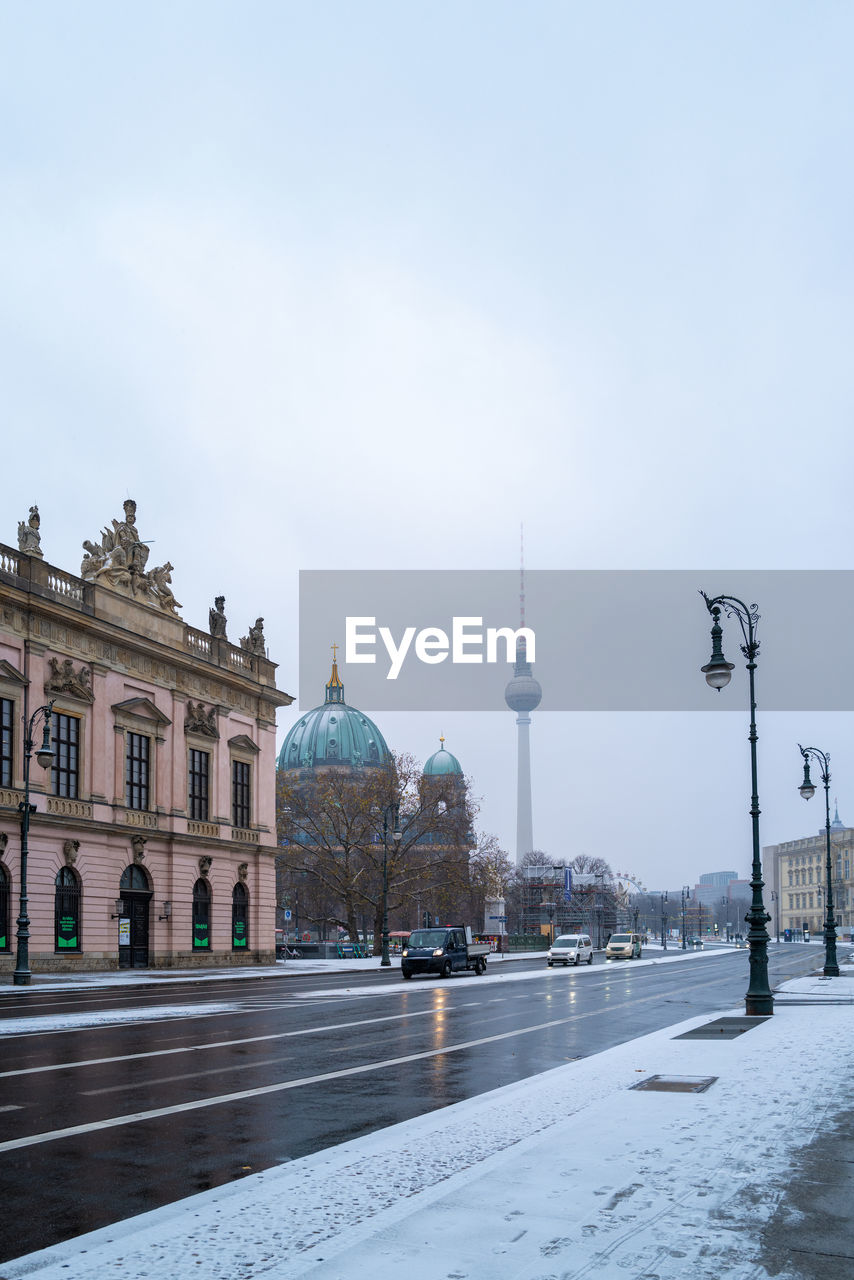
x=152, y=839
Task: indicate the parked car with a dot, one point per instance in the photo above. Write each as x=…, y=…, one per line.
x=571, y=948
x=623, y=946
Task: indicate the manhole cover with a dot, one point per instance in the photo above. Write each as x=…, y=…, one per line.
x=721, y=1029
x=676, y=1084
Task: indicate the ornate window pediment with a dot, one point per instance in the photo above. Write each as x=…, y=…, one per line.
x=134, y=710
x=8, y=672
x=242, y=742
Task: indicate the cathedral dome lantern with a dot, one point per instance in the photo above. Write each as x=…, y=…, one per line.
x=442, y=764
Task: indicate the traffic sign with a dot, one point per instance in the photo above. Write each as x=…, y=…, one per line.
x=287, y=915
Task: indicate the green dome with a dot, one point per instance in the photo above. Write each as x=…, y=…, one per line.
x=442, y=763
x=333, y=734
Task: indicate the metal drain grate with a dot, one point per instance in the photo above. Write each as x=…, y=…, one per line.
x=676, y=1084
x=722, y=1029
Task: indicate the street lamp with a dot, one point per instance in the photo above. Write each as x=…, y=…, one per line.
x=758, y=1000
x=391, y=817
x=807, y=790
x=775, y=898
x=21, y=977
x=686, y=894
x=600, y=906
x=663, y=922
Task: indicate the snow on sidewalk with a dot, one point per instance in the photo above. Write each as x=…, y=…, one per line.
x=569, y=1174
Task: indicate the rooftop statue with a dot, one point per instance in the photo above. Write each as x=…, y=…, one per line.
x=217, y=619
x=29, y=538
x=254, y=642
x=118, y=561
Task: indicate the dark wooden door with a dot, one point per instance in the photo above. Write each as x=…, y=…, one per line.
x=139, y=912
x=134, y=953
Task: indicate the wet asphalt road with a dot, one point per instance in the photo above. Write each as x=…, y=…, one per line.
x=103, y=1123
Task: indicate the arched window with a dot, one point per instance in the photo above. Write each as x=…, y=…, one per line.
x=239, y=918
x=134, y=878
x=67, y=911
x=201, y=916
x=5, y=932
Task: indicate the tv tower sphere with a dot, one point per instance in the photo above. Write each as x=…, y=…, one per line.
x=523, y=693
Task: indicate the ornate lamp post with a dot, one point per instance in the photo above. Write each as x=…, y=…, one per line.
x=807, y=790
x=686, y=894
x=21, y=977
x=390, y=818
x=758, y=1000
x=663, y=923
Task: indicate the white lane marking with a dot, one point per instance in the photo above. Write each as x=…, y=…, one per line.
x=186, y=1075
x=11, y=1108
x=225, y=1044
x=259, y=1091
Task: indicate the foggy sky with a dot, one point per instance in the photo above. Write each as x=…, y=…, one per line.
x=365, y=285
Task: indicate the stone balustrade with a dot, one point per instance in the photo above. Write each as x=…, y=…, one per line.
x=205, y=830
x=34, y=574
x=69, y=808
x=244, y=836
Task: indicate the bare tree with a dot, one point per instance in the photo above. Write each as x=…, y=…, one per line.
x=336, y=827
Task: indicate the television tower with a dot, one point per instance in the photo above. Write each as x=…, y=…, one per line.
x=522, y=695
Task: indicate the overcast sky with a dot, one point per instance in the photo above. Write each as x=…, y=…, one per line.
x=365, y=285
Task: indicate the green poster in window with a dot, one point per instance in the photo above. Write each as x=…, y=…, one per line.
x=2, y=944
x=239, y=934
x=200, y=935
x=66, y=933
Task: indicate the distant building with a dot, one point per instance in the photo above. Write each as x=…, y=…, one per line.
x=712, y=887
x=719, y=878
x=152, y=843
x=796, y=874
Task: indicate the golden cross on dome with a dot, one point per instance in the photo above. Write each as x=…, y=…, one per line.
x=334, y=648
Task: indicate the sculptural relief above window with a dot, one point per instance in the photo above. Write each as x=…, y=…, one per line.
x=200, y=719
x=64, y=679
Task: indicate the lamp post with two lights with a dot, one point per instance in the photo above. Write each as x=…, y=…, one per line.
x=758, y=1000
x=45, y=754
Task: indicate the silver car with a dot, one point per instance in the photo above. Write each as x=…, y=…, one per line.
x=571, y=948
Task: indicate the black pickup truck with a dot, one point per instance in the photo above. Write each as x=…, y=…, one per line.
x=442, y=952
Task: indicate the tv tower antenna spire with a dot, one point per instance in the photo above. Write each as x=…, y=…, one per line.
x=522, y=573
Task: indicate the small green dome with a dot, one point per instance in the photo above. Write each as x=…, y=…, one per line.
x=442, y=763
x=333, y=734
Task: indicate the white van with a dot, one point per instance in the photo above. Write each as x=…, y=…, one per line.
x=571, y=948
